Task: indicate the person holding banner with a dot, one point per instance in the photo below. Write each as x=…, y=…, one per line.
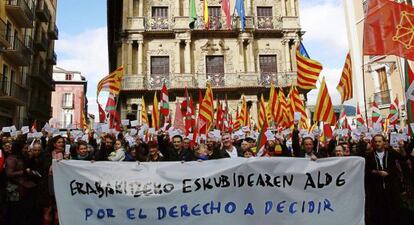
x=153, y=153
x=82, y=152
x=106, y=148
x=228, y=150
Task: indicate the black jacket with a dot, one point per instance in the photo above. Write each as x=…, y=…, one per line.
x=170, y=154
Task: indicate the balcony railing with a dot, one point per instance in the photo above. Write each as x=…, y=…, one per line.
x=21, y=11
x=215, y=23
x=53, y=32
x=158, y=24
x=42, y=75
x=13, y=92
x=136, y=23
x=42, y=12
x=51, y=58
x=267, y=23
x=41, y=43
x=3, y=38
x=226, y=80
x=382, y=98
x=18, y=52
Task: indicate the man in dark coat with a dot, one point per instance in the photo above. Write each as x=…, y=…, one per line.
x=382, y=183
x=176, y=151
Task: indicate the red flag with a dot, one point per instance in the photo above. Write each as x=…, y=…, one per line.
x=33, y=129
x=219, y=116
x=327, y=130
x=225, y=5
x=164, y=108
x=388, y=29
x=102, y=115
x=114, y=120
x=178, y=119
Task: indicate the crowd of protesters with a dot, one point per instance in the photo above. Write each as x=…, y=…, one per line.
x=26, y=177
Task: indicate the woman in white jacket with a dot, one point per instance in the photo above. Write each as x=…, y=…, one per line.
x=118, y=154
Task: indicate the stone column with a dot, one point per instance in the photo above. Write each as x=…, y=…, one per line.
x=250, y=56
x=292, y=8
x=283, y=8
x=242, y=62
x=187, y=56
x=141, y=8
x=287, y=56
x=177, y=57
x=131, y=8
x=139, y=57
x=124, y=53
x=125, y=14
x=129, y=57
x=176, y=9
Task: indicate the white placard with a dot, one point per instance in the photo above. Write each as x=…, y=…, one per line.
x=25, y=130
x=134, y=123
x=5, y=130
x=174, y=194
x=67, y=149
x=297, y=116
x=394, y=138
x=125, y=122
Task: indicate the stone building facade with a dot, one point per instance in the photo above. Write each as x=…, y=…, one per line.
x=154, y=43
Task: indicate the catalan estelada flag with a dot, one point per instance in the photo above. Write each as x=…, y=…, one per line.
x=308, y=69
x=345, y=84
x=112, y=82
x=324, y=109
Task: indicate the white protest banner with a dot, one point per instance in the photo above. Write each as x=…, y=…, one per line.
x=240, y=191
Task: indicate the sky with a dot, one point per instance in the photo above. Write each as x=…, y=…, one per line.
x=82, y=44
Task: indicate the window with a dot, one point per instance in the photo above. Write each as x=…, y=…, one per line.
x=67, y=100
x=67, y=119
x=68, y=76
x=214, y=14
x=214, y=11
x=160, y=65
x=383, y=96
x=264, y=12
x=4, y=83
x=264, y=17
x=159, y=12
x=8, y=31
x=268, y=69
x=160, y=69
x=215, y=70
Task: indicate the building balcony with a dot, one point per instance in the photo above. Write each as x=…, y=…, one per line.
x=41, y=109
x=3, y=38
x=136, y=23
x=18, y=52
x=21, y=12
x=13, y=92
x=227, y=80
x=158, y=24
x=290, y=22
x=383, y=98
x=41, y=43
x=268, y=23
x=215, y=23
x=42, y=75
x=53, y=32
x=51, y=58
x=42, y=12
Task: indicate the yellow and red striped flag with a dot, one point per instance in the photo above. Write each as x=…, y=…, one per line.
x=271, y=104
x=298, y=106
x=206, y=112
x=243, y=117
x=324, y=109
x=237, y=124
x=112, y=82
x=281, y=108
x=144, y=115
x=155, y=113
x=308, y=69
x=345, y=84
x=262, y=114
